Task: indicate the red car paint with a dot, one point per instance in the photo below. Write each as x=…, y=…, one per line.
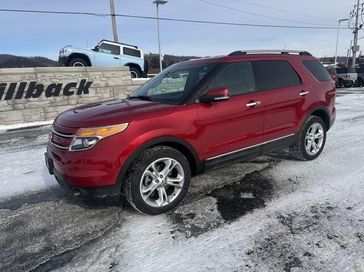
x=209, y=129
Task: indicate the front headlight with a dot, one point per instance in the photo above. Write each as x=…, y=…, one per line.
x=86, y=138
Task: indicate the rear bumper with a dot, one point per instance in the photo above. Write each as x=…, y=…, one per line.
x=101, y=192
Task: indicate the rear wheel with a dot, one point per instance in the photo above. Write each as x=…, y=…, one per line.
x=134, y=72
x=158, y=180
x=77, y=62
x=311, y=139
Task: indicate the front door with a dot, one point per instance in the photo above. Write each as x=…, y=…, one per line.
x=108, y=55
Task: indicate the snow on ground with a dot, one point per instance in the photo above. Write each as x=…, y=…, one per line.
x=271, y=214
x=22, y=163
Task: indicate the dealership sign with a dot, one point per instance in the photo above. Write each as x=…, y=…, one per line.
x=33, y=89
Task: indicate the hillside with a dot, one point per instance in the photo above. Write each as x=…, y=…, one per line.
x=11, y=61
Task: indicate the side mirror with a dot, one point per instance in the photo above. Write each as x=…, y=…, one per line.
x=215, y=95
x=97, y=48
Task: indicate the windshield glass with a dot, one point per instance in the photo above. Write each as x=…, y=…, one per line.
x=174, y=83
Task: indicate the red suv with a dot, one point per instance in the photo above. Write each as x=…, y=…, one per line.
x=192, y=116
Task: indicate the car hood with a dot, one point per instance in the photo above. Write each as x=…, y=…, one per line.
x=111, y=112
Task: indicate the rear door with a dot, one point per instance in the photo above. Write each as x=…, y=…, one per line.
x=284, y=99
x=235, y=126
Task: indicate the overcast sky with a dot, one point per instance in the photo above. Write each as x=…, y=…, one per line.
x=44, y=35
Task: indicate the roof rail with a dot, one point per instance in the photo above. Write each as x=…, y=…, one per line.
x=130, y=45
x=297, y=52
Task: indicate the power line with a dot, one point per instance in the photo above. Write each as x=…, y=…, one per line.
x=256, y=14
x=56, y=12
x=169, y=19
x=284, y=10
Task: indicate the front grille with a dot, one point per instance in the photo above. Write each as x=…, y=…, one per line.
x=61, y=139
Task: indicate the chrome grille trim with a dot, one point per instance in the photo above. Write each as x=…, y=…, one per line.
x=62, y=135
x=59, y=146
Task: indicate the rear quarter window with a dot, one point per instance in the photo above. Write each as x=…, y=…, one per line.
x=132, y=52
x=317, y=70
x=276, y=74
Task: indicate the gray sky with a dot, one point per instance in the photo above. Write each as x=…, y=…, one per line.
x=44, y=35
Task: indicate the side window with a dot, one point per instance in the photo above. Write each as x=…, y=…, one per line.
x=276, y=74
x=317, y=70
x=131, y=52
x=110, y=48
x=238, y=77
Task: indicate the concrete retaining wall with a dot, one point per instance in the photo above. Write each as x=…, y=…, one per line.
x=40, y=94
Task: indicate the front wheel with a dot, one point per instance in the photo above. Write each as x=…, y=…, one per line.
x=158, y=180
x=311, y=139
x=77, y=62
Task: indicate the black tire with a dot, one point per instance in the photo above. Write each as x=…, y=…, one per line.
x=134, y=181
x=360, y=82
x=77, y=62
x=135, y=72
x=299, y=150
x=339, y=83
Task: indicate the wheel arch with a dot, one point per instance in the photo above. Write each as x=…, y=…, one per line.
x=323, y=114
x=182, y=146
x=137, y=66
x=81, y=56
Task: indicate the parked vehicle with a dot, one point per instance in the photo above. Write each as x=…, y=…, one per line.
x=347, y=77
x=332, y=72
x=188, y=118
x=106, y=54
x=360, y=81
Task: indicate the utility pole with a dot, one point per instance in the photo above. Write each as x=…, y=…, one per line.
x=337, y=39
x=355, y=47
x=113, y=21
x=157, y=3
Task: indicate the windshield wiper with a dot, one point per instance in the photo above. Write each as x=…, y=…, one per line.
x=141, y=97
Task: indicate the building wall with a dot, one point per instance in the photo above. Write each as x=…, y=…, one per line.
x=40, y=94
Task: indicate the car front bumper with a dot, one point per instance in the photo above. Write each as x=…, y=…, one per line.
x=62, y=60
x=102, y=192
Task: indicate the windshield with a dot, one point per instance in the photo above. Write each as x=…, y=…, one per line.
x=174, y=83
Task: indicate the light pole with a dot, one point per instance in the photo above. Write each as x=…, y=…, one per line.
x=113, y=21
x=159, y=2
x=337, y=39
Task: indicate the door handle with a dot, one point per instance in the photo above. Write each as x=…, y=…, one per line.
x=116, y=58
x=253, y=103
x=304, y=93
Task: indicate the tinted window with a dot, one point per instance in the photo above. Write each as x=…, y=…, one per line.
x=131, y=52
x=317, y=70
x=238, y=77
x=342, y=70
x=275, y=74
x=110, y=48
x=351, y=70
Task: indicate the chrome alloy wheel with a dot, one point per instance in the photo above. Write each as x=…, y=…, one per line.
x=162, y=182
x=314, y=139
x=78, y=64
x=133, y=74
